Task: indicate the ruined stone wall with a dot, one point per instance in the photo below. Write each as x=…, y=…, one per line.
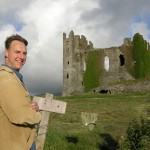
x=75, y=49
x=117, y=70
x=140, y=86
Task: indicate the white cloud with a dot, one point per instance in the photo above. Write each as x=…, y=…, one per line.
x=5, y=31
x=141, y=28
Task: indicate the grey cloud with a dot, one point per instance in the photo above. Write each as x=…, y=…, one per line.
x=115, y=17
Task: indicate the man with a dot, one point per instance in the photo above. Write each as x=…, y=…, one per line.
x=18, y=115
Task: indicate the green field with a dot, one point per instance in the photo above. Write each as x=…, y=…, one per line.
x=115, y=112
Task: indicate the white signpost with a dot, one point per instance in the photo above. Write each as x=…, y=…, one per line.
x=47, y=105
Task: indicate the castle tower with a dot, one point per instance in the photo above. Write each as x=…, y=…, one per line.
x=70, y=65
x=74, y=49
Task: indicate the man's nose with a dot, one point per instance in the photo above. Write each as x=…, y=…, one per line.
x=22, y=56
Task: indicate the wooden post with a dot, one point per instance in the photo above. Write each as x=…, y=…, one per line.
x=43, y=126
x=47, y=105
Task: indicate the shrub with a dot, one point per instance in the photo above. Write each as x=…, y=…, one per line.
x=137, y=135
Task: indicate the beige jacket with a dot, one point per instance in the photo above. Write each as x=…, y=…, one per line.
x=17, y=119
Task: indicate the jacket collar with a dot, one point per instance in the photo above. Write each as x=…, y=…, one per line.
x=5, y=68
x=9, y=69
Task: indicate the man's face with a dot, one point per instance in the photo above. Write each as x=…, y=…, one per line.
x=16, y=55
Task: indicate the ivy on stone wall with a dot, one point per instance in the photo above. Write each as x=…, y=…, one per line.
x=93, y=70
x=141, y=57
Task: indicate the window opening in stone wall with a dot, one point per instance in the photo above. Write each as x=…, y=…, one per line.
x=67, y=76
x=84, y=66
x=68, y=62
x=121, y=60
x=106, y=63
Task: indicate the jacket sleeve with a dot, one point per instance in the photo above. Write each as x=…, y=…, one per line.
x=15, y=104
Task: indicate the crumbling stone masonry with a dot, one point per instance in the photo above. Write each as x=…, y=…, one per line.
x=116, y=61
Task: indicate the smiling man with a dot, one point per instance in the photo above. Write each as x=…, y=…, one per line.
x=16, y=55
x=18, y=114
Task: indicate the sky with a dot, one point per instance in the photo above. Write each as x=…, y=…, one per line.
x=42, y=22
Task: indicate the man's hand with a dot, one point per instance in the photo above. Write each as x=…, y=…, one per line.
x=34, y=106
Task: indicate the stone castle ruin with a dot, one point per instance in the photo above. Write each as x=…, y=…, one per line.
x=116, y=64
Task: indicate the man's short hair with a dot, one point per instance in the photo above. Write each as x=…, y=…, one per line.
x=13, y=38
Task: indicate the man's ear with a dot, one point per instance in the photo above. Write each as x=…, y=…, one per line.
x=6, y=53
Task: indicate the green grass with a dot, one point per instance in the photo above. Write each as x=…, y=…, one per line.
x=142, y=57
x=67, y=132
x=93, y=71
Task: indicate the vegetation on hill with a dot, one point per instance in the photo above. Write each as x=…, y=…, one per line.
x=137, y=135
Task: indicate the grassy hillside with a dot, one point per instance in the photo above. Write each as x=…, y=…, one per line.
x=67, y=132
